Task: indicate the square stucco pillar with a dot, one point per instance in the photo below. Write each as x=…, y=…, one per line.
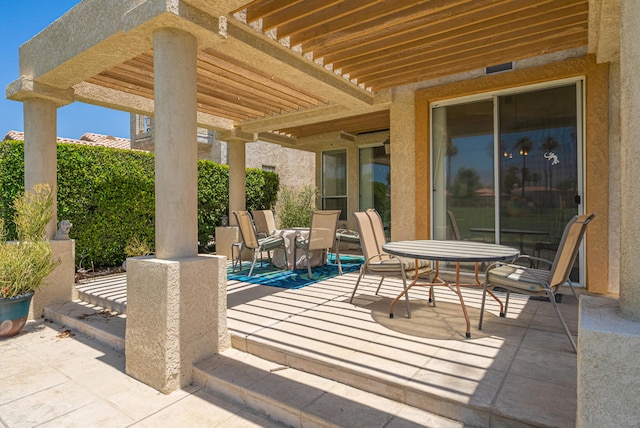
x=403, y=166
x=179, y=313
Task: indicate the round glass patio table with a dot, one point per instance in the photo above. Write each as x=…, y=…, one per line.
x=450, y=251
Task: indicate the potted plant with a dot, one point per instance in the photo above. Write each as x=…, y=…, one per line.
x=24, y=263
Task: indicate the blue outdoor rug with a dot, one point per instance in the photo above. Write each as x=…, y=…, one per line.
x=273, y=276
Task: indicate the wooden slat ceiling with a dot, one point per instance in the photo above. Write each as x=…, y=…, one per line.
x=226, y=87
x=386, y=43
x=377, y=44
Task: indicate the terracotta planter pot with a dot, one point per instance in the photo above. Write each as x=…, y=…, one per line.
x=13, y=314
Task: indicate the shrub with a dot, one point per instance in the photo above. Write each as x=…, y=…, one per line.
x=109, y=197
x=294, y=207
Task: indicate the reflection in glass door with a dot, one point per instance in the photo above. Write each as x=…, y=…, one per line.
x=374, y=183
x=463, y=156
x=508, y=163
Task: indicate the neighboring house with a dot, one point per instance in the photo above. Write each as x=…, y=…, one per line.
x=296, y=168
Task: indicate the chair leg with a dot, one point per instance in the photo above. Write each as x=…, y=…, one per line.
x=356, y=287
x=484, y=298
x=506, y=304
x=255, y=258
x=295, y=256
x=306, y=252
x=379, y=285
x=406, y=297
x=286, y=262
x=552, y=299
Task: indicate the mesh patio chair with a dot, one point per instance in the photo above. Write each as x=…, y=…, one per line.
x=378, y=262
x=322, y=236
x=540, y=282
x=252, y=242
x=347, y=236
x=265, y=222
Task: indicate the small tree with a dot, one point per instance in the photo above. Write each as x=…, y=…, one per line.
x=294, y=207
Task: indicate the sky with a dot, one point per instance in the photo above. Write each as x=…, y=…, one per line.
x=23, y=19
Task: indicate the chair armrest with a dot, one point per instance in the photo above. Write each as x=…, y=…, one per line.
x=531, y=258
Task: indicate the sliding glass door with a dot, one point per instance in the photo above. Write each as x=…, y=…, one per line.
x=374, y=189
x=506, y=167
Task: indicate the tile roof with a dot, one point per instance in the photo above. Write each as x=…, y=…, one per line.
x=89, y=139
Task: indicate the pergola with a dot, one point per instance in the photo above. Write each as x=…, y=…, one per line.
x=299, y=73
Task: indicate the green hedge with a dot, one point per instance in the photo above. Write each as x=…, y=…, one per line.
x=108, y=195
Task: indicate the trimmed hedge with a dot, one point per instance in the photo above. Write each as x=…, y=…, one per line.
x=108, y=195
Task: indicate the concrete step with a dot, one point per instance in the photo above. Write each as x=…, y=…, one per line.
x=421, y=398
x=97, y=322
x=299, y=399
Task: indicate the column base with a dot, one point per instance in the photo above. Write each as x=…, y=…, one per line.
x=59, y=286
x=176, y=316
x=608, y=371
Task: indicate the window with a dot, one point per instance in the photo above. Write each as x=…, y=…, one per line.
x=269, y=168
x=334, y=182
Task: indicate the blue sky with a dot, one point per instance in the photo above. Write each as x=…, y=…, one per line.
x=23, y=19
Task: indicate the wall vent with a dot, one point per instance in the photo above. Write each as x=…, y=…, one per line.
x=507, y=66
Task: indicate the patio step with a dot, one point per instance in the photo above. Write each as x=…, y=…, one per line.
x=365, y=382
x=109, y=292
x=297, y=398
x=100, y=323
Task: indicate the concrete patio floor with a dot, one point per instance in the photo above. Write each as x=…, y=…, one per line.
x=518, y=371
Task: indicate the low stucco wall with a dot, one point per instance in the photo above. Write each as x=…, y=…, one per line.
x=58, y=287
x=608, y=370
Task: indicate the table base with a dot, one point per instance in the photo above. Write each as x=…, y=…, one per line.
x=438, y=281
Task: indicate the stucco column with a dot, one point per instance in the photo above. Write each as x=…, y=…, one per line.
x=176, y=149
x=609, y=330
x=237, y=178
x=176, y=302
x=630, y=159
x=40, y=156
x=403, y=168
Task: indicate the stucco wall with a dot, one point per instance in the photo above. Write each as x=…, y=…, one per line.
x=596, y=160
x=296, y=168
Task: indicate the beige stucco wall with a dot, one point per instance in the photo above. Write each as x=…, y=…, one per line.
x=296, y=168
x=596, y=160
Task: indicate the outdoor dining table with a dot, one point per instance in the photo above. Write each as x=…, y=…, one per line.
x=450, y=251
x=290, y=235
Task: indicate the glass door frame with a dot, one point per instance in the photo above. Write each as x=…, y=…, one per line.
x=493, y=96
